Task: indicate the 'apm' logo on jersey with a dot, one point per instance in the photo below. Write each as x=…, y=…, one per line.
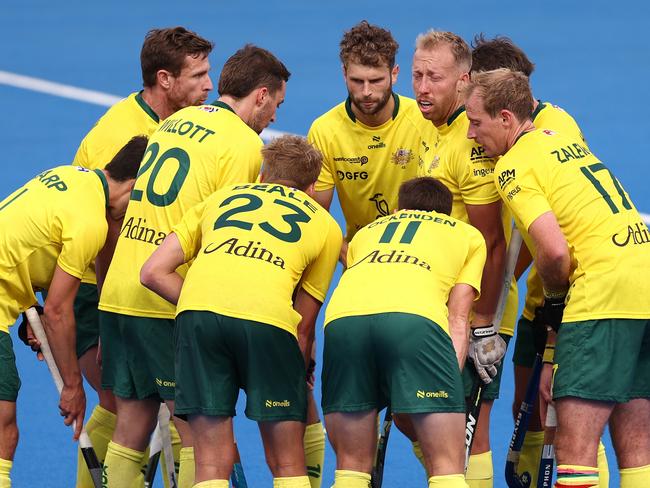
x=506, y=177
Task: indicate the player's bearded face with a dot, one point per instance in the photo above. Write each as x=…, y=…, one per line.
x=192, y=85
x=369, y=88
x=263, y=115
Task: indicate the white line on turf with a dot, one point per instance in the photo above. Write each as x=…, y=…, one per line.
x=101, y=98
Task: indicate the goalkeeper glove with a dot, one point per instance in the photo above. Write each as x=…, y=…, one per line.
x=486, y=350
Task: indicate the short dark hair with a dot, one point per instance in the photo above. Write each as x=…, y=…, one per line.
x=425, y=193
x=292, y=159
x=502, y=89
x=249, y=68
x=500, y=52
x=368, y=45
x=125, y=164
x=167, y=48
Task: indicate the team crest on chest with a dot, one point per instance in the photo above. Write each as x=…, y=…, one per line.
x=402, y=157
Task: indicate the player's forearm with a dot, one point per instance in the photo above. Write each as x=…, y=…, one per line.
x=59, y=326
x=554, y=270
x=491, y=283
x=459, y=331
x=165, y=284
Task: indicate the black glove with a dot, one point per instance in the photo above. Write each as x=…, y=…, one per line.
x=22, y=328
x=550, y=313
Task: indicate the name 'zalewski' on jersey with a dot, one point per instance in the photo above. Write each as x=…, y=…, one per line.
x=252, y=244
x=195, y=152
x=609, y=242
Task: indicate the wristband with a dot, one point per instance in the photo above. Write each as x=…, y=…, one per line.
x=549, y=353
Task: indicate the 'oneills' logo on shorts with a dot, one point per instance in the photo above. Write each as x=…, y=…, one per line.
x=432, y=394
x=170, y=384
x=272, y=403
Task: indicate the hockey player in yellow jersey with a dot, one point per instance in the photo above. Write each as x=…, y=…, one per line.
x=402, y=310
x=441, y=65
x=59, y=218
x=501, y=52
x=175, y=74
x=195, y=152
x=588, y=240
x=258, y=245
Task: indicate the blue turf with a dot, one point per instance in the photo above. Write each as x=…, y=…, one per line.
x=591, y=58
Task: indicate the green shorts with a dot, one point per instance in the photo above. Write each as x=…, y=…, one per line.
x=405, y=360
x=87, y=318
x=9, y=380
x=491, y=391
x=137, y=356
x=525, y=346
x=606, y=360
x=217, y=355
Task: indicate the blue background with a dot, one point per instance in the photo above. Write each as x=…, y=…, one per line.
x=591, y=58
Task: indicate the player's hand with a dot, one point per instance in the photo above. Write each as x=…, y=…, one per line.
x=486, y=350
x=26, y=334
x=545, y=394
x=550, y=313
x=72, y=407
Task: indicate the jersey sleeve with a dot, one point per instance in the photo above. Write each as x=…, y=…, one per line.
x=472, y=270
x=522, y=192
x=317, y=276
x=325, y=178
x=474, y=175
x=188, y=230
x=82, y=238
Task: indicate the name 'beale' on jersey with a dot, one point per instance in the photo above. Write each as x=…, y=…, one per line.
x=408, y=262
x=253, y=244
x=195, y=152
x=608, y=240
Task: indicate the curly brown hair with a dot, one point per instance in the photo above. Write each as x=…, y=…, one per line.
x=368, y=45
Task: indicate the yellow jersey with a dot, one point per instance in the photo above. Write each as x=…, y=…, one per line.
x=366, y=164
x=252, y=245
x=57, y=218
x=408, y=262
x=546, y=171
x=461, y=164
x=195, y=152
x=126, y=119
x=546, y=116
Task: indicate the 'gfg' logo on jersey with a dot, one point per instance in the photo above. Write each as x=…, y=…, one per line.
x=506, y=177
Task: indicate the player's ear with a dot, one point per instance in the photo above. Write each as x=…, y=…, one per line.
x=262, y=94
x=163, y=78
x=393, y=74
x=311, y=190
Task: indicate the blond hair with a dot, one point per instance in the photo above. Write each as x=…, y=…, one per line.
x=459, y=48
x=503, y=89
x=292, y=160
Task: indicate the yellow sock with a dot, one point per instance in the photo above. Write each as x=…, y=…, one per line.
x=5, y=470
x=176, y=448
x=314, y=441
x=603, y=467
x=479, y=470
x=100, y=428
x=569, y=475
x=635, y=477
x=186, y=470
x=291, y=482
x=122, y=467
x=213, y=484
x=417, y=450
x=531, y=453
x=351, y=479
x=448, y=481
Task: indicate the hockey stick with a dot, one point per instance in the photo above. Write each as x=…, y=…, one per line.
x=166, y=438
x=155, y=446
x=377, y=476
x=476, y=396
x=545, y=477
x=526, y=409
x=237, y=477
x=89, y=455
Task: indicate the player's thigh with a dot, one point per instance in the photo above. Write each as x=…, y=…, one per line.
x=442, y=440
x=207, y=379
x=353, y=436
x=283, y=445
x=272, y=371
x=602, y=360
x=350, y=376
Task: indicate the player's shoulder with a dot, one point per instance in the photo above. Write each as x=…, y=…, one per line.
x=333, y=117
x=547, y=114
x=409, y=110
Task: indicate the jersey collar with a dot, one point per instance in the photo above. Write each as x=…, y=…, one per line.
x=102, y=178
x=220, y=104
x=540, y=106
x=455, y=115
x=147, y=109
x=348, y=107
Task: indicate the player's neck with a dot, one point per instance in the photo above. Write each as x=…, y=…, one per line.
x=518, y=131
x=377, y=119
x=155, y=97
x=243, y=107
x=458, y=102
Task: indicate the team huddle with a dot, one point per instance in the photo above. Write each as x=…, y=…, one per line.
x=182, y=260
